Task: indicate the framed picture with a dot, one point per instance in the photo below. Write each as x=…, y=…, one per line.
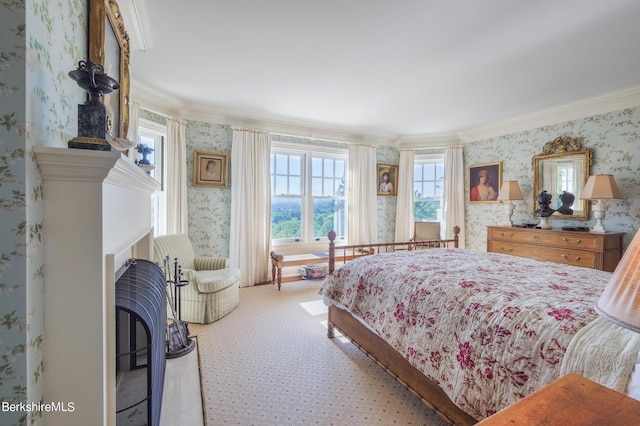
x=484, y=182
x=387, y=179
x=109, y=47
x=210, y=169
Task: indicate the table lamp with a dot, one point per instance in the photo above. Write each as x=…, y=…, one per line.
x=509, y=191
x=600, y=188
x=620, y=301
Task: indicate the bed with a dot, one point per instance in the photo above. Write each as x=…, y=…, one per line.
x=472, y=332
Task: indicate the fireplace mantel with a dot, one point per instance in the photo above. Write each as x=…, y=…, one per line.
x=97, y=214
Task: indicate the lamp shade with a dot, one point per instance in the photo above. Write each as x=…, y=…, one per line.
x=620, y=301
x=510, y=190
x=601, y=187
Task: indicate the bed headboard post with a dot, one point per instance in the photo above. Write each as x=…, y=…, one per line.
x=456, y=231
x=332, y=250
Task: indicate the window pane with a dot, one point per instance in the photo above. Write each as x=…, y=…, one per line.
x=340, y=168
x=328, y=167
x=316, y=187
x=295, y=185
x=429, y=190
x=417, y=172
x=286, y=218
x=281, y=164
x=328, y=215
x=426, y=210
x=294, y=165
x=281, y=185
x=340, y=188
x=328, y=187
x=316, y=166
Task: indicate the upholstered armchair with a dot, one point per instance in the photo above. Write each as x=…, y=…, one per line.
x=213, y=289
x=426, y=231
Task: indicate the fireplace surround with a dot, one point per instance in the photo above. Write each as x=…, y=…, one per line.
x=97, y=214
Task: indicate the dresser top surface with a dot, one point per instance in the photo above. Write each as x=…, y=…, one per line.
x=555, y=230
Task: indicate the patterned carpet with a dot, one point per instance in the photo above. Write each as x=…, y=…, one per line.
x=269, y=362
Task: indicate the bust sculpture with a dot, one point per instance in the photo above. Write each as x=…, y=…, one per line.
x=544, y=201
x=567, y=199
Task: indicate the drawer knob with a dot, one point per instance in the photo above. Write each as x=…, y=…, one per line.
x=578, y=241
x=564, y=239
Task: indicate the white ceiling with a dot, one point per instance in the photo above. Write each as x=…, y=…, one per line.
x=383, y=67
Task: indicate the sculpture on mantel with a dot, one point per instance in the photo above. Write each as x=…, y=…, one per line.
x=95, y=122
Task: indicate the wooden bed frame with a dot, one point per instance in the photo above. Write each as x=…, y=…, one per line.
x=381, y=352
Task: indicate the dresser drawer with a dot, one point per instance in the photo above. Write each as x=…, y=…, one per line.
x=567, y=256
x=581, y=241
x=588, y=249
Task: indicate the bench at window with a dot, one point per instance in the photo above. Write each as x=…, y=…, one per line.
x=279, y=260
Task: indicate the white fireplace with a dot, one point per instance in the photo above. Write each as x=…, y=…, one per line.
x=97, y=214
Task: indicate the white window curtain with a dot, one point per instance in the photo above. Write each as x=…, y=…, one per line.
x=177, y=222
x=404, y=206
x=250, y=239
x=362, y=195
x=453, y=193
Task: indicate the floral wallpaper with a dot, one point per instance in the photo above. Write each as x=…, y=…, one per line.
x=613, y=137
x=14, y=338
x=386, y=219
x=209, y=209
x=41, y=41
x=39, y=45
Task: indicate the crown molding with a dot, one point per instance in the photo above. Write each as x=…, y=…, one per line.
x=163, y=104
x=134, y=14
x=615, y=101
x=441, y=140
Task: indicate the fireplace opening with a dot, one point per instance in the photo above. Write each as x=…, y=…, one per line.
x=141, y=322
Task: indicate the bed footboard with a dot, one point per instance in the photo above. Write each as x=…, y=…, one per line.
x=347, y=253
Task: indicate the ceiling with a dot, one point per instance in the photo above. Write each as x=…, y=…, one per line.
x=398, y=68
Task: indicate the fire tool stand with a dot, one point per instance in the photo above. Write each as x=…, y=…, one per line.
x=178, y=341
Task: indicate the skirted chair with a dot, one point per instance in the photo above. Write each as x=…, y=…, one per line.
x=213, y=289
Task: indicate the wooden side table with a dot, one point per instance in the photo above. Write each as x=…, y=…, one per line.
x=570, y=400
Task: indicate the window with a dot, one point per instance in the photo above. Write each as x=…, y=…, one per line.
x=428, y=177
x=308, y=193
x=566, y=179
x=153, y=135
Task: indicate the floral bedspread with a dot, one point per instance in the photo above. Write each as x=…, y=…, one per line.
x=488, y=328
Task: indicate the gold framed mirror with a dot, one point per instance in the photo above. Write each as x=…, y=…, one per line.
x=109, y=47
x=563, y=166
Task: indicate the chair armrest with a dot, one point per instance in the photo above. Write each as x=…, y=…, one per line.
x=208, y=263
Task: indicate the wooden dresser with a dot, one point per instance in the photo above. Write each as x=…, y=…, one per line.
x=588, y=249
x=570, y=400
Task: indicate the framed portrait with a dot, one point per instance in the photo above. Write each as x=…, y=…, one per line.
x=387, y=179
x=484, y=182
x=210, y=169
x=109, y=47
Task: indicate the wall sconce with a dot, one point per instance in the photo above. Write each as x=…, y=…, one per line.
x=600, y=188
x=509, y=191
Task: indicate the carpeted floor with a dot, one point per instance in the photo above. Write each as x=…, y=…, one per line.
x=269, y=362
